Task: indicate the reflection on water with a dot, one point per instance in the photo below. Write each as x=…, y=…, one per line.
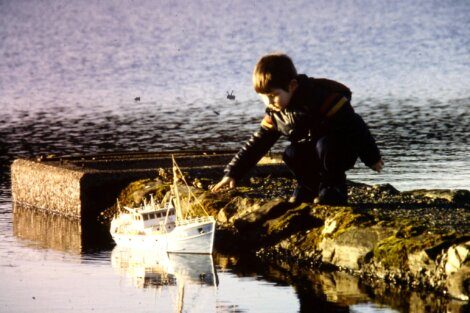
x=158, y=270
x=267, y=287
x=326, y=291
x=60, y=233
x=47, y=230
x=147, y=268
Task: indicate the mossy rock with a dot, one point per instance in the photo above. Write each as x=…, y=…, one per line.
x=139, y=191
x=135, y=194
x=213, y=202
x=293, y=221
x=393, y=251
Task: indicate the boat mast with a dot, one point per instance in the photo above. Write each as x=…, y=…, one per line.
x=177, y=171
x=180, y=300
x=179, y=213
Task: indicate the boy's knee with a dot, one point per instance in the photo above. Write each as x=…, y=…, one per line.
x=299, y=150
x=323, y=145
x=300, y=154
x=335, y=154
x=289, y=153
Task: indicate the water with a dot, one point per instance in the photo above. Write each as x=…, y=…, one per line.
x=69, y=73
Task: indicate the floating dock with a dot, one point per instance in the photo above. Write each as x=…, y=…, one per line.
x=83, y=186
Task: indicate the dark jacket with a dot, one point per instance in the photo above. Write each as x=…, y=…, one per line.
x=318, y=107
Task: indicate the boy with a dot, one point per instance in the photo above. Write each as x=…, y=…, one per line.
x=326, y=135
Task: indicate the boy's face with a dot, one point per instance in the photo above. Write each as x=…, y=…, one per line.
x=278, y=99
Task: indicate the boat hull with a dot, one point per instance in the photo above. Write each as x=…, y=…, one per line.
x=190, y=237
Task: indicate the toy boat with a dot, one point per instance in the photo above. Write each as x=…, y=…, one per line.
x=165, y=227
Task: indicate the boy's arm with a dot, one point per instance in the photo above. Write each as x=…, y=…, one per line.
x=369, y=153
x=253, y=150
x=225, y=181
x=378, y=166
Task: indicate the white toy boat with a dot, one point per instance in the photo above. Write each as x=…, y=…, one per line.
x=165, y=226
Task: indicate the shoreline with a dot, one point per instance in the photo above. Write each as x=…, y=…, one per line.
x=419, y=239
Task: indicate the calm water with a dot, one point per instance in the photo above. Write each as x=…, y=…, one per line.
x=69, y=73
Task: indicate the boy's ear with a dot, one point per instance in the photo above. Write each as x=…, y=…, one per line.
x=293, y=85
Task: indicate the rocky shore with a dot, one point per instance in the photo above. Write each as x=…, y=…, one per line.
x=419, y=239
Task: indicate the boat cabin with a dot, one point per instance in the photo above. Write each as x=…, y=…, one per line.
x=154, y=217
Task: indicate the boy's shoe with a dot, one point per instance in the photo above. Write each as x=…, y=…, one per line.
x=301, y=194
x=332, y=195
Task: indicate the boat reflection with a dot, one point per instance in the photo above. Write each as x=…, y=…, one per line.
x=57, y=232
x=153, y=269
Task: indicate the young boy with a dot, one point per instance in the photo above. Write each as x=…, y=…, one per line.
x=315, y=114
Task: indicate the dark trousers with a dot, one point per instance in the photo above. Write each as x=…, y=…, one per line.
x=321, y=164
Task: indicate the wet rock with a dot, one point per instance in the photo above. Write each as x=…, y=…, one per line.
x=236, y=207
x=461, y=197
x=457, y=197
x=457, y=269
x=293, y=221
x=258, y=215
x=135, y=194
x=456, y=257
x=222, y=217
x=458, y=284
x=351, y=248
x=420, y=263
x=330, y=226
x=247, y=209
x=386, y=189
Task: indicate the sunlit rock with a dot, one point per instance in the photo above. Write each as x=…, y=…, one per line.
x=350, y=248
x=456, y=257
x=458, y=284
x=330, y=226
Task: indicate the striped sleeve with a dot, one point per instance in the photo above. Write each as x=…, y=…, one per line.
x=267, y=122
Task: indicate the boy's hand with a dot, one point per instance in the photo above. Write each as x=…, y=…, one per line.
x=227, y=182
x=378, y=166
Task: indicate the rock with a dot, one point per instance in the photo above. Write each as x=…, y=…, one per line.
x=214, y=203
x=164, y=174
x=387, y=189
x=458, y=197
x=461, y=197
x=230, y=209
x=142, y=189
x=243, y=209
x=293, y=221
x=458, y=284
x=259, y=213
x=222, y=217
x=350, y=248
x=450, y=270
x=456, y=257
x=420, y=263
x=329, y=227
x=197, y=183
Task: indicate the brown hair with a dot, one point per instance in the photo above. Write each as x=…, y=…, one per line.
x=274, y=70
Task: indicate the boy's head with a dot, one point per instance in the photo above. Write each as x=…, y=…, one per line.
x=273, y=71
x=274, y=79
